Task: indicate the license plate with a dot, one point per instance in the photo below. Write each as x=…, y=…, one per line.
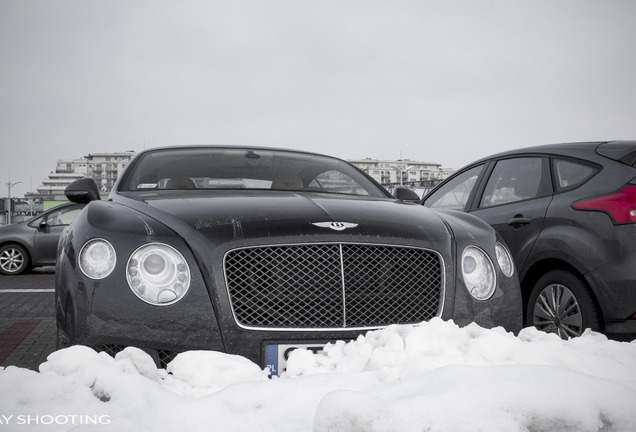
x=276, y=355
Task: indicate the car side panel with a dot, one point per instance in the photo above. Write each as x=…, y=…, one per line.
x=520, y=237
x=616, y=293
x=587, y=240
x=45, y=242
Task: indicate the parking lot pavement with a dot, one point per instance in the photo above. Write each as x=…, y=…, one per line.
x=27, y=318
x=26, y=343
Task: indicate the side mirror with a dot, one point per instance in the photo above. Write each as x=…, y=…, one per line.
x=82, y=191
x=405, y=194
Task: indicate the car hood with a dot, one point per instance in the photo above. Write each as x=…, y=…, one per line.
x=251, y=215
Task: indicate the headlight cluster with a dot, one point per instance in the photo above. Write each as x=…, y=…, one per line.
x=97, y=258
x=479, y=272
x=504, y=259
x=157, y=273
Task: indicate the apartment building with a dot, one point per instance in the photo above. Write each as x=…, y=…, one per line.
x=403, y=172
x=104, y=168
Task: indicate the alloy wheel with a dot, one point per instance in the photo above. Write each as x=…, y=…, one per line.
x=557, y=310
x=11, y=260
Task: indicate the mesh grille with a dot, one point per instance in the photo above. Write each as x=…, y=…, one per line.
x=163, y=356
x=321, y=286
x=110, y=349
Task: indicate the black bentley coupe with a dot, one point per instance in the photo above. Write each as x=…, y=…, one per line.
x=257, y=251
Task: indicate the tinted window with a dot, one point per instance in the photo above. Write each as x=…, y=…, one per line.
x=513, y=180
x=63, y=217
x=336, y=182
x=204, y=168
x=569, y=174
x=455, y=192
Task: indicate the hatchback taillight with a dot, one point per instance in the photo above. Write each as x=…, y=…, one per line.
x=621, y=206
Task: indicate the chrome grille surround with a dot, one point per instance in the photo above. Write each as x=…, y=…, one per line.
x=333, y=286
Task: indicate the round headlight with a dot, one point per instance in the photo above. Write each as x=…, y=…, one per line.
x=504, y=259
x=478, y=272
x=158, y=274
x=97, y=259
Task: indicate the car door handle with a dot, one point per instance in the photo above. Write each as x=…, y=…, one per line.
x=519, y=220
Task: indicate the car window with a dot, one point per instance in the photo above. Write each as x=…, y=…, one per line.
x=63, y=216
x=513, y=180
x=569, y=174
x=336, y=182
x=222, y=168
x=455, y=192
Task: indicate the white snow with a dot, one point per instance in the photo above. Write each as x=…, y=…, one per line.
x=431, y=377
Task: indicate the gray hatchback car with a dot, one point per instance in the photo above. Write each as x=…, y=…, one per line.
x=568, y=215
x=33, y=243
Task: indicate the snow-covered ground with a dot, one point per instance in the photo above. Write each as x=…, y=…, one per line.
x=431, y=377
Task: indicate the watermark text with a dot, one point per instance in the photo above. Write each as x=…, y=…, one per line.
x=46, y=419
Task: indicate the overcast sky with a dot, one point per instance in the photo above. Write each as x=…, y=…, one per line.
x=444, y=81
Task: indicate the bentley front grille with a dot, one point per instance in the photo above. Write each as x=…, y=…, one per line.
x=333, y=286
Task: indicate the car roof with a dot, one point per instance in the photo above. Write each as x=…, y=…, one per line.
x=237, y=147
x=619, y=150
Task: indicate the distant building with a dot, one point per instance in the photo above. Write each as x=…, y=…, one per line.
x=104, y=168
x=390, y=173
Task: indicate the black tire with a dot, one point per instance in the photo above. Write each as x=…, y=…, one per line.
x=13, y=259
x=561, y=303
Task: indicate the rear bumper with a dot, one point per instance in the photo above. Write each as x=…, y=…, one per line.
x=614, y=287
x=624, y=331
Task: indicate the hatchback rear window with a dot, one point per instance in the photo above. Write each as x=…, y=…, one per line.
x=569, y=174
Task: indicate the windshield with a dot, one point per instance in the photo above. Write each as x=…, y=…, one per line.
x=239, y=168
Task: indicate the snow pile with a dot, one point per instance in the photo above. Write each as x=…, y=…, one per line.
x=431, y=377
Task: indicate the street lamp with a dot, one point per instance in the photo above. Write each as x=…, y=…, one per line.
x=402, y=170
x=9, y=185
